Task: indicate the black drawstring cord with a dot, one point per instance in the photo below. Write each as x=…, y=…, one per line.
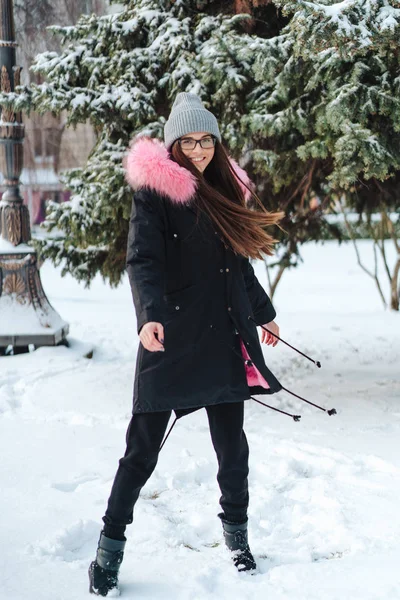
x=316, y=362
x=330, y=412
x=169, y=431
x=294, y=417
x=250, y=363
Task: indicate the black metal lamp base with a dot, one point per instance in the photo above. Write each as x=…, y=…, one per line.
x=22, y=300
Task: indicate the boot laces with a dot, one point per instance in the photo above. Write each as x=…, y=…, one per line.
x=241, y=540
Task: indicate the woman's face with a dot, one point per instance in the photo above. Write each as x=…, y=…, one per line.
x=201, y=157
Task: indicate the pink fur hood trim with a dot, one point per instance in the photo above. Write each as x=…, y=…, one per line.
x=148, y=165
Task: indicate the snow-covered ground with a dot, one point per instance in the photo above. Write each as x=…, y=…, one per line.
x=324, y=514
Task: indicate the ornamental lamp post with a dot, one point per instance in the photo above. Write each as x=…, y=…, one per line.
x=26, y=316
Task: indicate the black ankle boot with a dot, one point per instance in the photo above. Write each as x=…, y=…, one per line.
x=235, y=535
x=103, y=572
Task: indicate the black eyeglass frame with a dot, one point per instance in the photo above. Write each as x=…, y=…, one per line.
x=214, y=139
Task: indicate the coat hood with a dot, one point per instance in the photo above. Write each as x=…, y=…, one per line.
x=148, y=165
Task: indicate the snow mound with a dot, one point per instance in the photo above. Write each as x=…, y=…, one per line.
x=75, y=543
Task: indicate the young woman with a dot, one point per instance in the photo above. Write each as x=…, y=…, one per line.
x=197, y=300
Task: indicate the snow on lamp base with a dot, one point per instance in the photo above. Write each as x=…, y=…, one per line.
x=26, y=315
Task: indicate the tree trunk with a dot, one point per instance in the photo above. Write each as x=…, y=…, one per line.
x=395, y=287
x=274, y=284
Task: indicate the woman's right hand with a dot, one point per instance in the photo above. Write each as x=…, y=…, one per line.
x=148, y=338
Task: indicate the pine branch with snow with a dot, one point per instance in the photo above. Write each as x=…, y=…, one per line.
x=329, y=92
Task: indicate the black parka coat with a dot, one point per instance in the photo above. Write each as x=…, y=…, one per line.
x=183, y=277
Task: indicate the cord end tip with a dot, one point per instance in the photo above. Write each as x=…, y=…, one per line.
x=332, y=412
x=296, y=417
x=318, y=364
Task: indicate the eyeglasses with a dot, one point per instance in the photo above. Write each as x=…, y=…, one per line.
x=190, y=144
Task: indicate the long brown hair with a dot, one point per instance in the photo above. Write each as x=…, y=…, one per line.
x=222, y=199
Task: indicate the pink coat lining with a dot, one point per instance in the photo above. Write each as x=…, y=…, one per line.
x=253, y=375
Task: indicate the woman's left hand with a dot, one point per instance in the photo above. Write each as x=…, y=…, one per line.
x=268, y=338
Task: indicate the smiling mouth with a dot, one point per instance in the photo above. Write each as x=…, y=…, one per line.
x=197, y=159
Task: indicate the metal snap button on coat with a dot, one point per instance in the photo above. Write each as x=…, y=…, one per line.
x=229, y=308
x=175, y=235
x=227, y=270
x=221, y=270
x=177, y=307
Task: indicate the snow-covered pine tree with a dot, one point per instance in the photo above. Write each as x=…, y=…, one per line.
x=121, y=72
x=310, y=99
x=325, y=114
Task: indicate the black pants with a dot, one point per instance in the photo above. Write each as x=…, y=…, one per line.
x=144, y=436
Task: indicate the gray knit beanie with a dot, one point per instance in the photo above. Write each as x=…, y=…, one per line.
x=188, y=115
